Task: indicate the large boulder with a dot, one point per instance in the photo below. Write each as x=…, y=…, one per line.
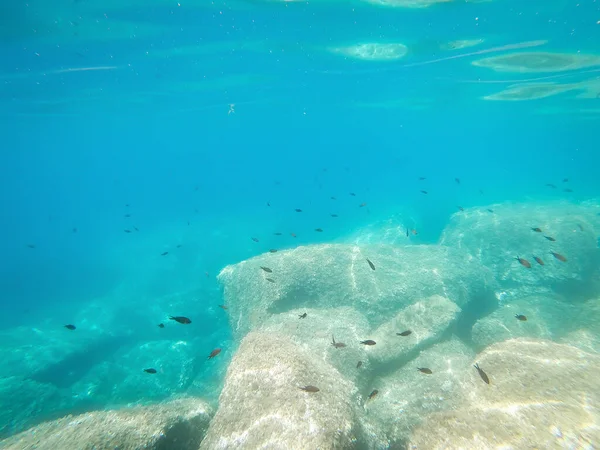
x=497, y=238
x=407, y=395
x=262, y=405
x=548, y=317
x=427, y=320
x=541, y=395
x=179, y=424
x=316, y=332
x=329, y=276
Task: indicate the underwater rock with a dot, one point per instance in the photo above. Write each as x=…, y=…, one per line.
x=427, y=320
x=541, y=395
x=262, y=405
x=497, y=239
x=460, y=44
x=407, y=395
x=548, y=317
x=315, y=333
x=336, y=275
x=179, y=424
x=391, y=231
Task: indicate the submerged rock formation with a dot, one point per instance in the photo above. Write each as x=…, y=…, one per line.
x=541, y=395
x=179, y=424
x=329, y=276
x=497, y=239
x=262, y=405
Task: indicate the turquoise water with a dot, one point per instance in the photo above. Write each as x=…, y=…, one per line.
x=197, y=126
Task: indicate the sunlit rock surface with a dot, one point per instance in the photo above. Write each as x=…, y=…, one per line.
x=374, y=51
x=427, y=319
x=497, y=238
x=548, y=317
x=541, y=395
x=538, y=62
x=407, y=395
x=261, y=405
x=177, y=424
x=392, y=231
x=329, y=276
x=315, y=334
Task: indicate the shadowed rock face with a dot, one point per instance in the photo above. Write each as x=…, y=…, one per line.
x=541, y=395
x=329, y=276
x=179, y=424
x=261, y=405
x=497, y=239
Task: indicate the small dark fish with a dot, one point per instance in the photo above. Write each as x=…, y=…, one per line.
x=457, y=180
x=537, y=230
x=424, y=370
x=70, y=327
x=373, y=394
x=550, y=185
x=319, y=230
x=223, y=307
x=164, y=253
x=150, y=370
x=254, y=239
x=422, y=178
x=414, y=232
x=273, y=250
x=180, y=319
x=362, y=205
x=559, y=256
x=333, y=215
x=333, y=198
x=270, y=280
x=268, y=203
x=580, y=227
x=565, y=180
x=423, y=192
x=310, y=388
x=277, y=233
x=371, y=265
x=293, y=235
x=368, y=342
x=550, y=238
x=31, y=245
x=161, y=325
x=337, y=344
x=178, y=246
x=567, y=190
x=539, y=260
x=359, y=364
x=521, y=317
x=136, y=228
x=302, y=316
x=482, y=374
x=524, y=262
x=127, y=231
x=74, y=230
x=491, y=210
x=214, y=353
x=298, y=210
x=460, y=208
x=352, y=194
x=405, y=333
x=407, y=232
x=266, y=269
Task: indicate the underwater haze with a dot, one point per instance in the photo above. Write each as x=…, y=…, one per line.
x=361, y=224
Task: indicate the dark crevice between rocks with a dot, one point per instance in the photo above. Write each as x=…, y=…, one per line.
x=183, y=435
